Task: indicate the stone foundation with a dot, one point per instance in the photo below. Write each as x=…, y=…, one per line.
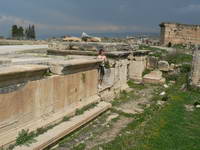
x=43, y=101
x=35, y=96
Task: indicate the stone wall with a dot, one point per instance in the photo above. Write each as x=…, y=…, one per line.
x=31, y=98
x=116, y=76
x=115, y=79
x=34, y=96
x=137, y=67
x=176, y=33
x=37, y=102
x=90, y=46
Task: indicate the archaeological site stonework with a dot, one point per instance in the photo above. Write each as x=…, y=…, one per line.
x=175, y=33
x=39, y=89
x=195, y=75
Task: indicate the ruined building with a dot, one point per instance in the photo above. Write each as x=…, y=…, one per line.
x=175, y=33
x=38, y=89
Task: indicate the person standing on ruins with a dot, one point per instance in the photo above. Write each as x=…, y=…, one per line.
x=102, y=57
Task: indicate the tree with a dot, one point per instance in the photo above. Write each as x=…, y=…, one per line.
x=20, y=32
x=27, y=33
x=30, y=32
x=17, y=32
x=33, y=36
x=14, y=31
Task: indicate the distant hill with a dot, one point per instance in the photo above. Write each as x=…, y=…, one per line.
x=118, y=35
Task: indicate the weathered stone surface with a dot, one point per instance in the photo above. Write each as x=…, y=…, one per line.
x=73, y=66
x=172, y=67
x=116, y=77
x=42, y=102
x=155, y=77
x=109, y=78
x=65, y=128
x=195, y=76
x=4, y=61
x=74, y=47
x=163, y=66
x=152, y=62
x=71, y=52
x=40, y=98
x=85, y=45
x=176, y=33
x=21, y=73
x=136, y=68
x=113, y=54
x=30, y=61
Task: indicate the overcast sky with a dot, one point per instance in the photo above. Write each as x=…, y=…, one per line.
x=57, y=17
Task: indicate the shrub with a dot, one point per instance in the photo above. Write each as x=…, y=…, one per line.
x=179, y=46
x=25, y=137
x=171, y=77
x=185, y=68
x=146, y=71
x=66, y=118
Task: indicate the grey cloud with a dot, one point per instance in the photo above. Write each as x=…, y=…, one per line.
x=191, y=8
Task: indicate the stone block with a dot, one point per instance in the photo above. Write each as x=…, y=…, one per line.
x=113, y=54
x=73, y=66
x=21, y=73
x=195, y=75
x=163, y=66
x=152, y=62
x=136, y=69
x=85, y=45
x=154, y=77
x=43, y=102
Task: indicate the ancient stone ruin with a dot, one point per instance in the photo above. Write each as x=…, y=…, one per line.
x=176, y=33
x=39, y=89
x=195, y=75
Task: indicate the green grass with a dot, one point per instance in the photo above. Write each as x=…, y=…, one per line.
x=81, y=146
x=26, y=138
x=157, y=52
x=85, y=108
x=146, y=71
x=132, y=85
x=179, y=46
x=123, y=98
x=144, y=47
x=65, y=142
x=178, y=58
x=170, y=127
